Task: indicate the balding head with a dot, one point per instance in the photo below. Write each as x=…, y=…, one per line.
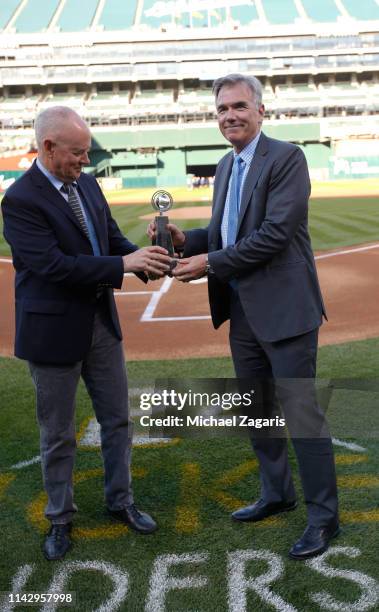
x=63, y=141
x=52, y=123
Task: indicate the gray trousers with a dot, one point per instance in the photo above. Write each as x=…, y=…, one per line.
x=287, y=369
x=103, y=371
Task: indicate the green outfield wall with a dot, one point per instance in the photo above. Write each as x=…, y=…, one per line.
x=191, y=135
x=165, y=156
x=317, y=154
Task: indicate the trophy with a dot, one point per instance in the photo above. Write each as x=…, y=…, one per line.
x=162, y=201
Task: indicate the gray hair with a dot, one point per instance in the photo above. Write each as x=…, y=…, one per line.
x=50, y=122
x=251, y=82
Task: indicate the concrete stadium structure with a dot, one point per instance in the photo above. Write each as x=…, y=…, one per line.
x=140, y=72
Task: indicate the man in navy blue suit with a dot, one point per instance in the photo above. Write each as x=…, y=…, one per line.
x=69, y=254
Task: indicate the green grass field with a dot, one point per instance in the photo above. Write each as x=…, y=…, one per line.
x=333, y=222
x=192, y=486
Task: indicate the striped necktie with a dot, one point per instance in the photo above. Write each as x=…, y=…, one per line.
x=75, y=206
x=234, y=199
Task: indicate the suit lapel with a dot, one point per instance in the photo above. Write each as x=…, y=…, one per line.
x=252, y=177
x=50, y=193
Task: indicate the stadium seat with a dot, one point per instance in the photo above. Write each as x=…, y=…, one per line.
x=36, y=15
x=118, y=14
x=367, y=9
x=7, y=8
x=322, y=10
x=74, y=101
x=244, y=13
x=280, y=11
x=73, y=20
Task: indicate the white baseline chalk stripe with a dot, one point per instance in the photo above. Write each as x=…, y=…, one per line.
x=148, y=313
x=199, y=281
x=165, y=286
x=194, y=318
x=349, y=445
x=325, y=256
x=150, y=308
x=92, y=438
x=22, y=464
x=133, y=293
x=348, y=251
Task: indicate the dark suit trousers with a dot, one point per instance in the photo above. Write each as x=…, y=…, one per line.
x=103, y=371
x=287, y=370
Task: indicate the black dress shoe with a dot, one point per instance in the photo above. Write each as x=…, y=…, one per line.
x=140, y=521
x=314, y=541
x=57, y=542
x=260, y=510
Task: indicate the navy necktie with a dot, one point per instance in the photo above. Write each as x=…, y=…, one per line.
x=234, y=199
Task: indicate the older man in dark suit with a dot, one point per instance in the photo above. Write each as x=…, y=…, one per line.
x=69, y=254
x=261, y=275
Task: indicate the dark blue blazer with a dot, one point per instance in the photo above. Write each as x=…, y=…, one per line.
x=272, y=259
x=57, y=275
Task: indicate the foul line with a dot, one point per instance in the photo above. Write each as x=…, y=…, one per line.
x=22, y=464
x=349, y=445
x=348, y=251
x=156, y=296
x=148, y=314
x=189, y=318
x=91, y=438
x=133, y=293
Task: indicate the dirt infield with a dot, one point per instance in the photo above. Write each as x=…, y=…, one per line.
x=167, y=319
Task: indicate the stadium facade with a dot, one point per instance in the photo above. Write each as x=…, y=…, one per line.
x=140, y=72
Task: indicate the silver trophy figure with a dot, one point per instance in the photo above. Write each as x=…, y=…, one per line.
x=162, y=201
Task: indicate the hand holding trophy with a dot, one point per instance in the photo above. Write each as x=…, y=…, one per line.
x=162, y=201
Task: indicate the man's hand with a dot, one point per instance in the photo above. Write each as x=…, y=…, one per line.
x=177, y=236
x=190, y=268
x=153, y=260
